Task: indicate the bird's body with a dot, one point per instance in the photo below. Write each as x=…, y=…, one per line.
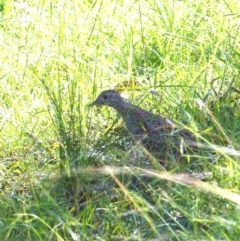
x=158, y=135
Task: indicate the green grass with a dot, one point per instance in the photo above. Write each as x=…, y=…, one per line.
x=175, y=58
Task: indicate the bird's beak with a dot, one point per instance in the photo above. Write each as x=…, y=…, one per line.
x=95, y=102
x=92, y=104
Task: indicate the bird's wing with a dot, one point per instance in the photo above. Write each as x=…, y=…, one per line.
x=153, y=124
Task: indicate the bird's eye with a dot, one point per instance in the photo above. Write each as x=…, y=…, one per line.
x=104, y=97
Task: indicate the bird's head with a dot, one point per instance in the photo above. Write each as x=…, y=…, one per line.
x=109, y=98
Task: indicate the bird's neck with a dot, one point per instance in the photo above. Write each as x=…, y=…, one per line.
x=123, y=107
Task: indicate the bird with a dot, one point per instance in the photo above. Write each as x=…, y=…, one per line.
x=159, y=136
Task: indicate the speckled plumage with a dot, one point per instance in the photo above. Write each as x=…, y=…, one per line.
x=157, y=134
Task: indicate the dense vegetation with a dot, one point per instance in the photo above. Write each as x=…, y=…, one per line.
x=179, y=59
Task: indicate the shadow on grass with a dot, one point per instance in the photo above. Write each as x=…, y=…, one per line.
x=119, y=203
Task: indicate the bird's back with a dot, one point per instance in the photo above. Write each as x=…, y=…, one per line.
x=159, y=135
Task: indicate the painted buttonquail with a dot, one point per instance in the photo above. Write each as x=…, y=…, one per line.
x=158, y=135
